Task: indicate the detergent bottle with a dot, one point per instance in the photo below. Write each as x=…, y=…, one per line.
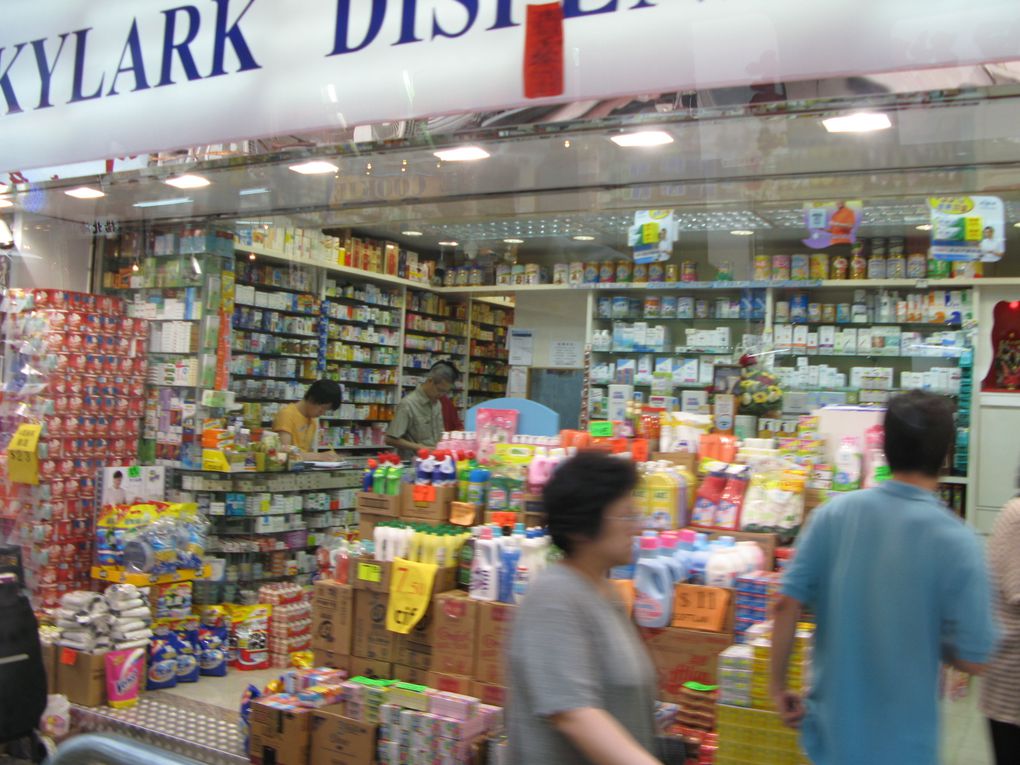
x=521, y=580
x=366, y=477
x=379, y=475
x=640, y=495
x=463, y=476
x=465, y=559
x=653, y=587
x=478, y=486
x=510, y=556
x=485, y=567
x=847, y=476
x=684, y=552
x=668, y=543
x=425, y=467
x=394, y=476
x=663, y=498
x=699, y=559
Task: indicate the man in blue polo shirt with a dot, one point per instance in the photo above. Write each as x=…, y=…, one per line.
x=897, y=584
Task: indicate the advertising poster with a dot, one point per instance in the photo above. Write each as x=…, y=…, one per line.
x=967, y=228
x=127, y=484
x=832, y=223
x=652, y=236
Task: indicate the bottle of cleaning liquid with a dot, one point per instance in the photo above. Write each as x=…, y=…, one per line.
x=628, y=571
x=485, y=567
x=721, y=569
x=447, y=470
x=640, y=495
x=463, y=476
x=539, y=470
x=465, y=560
x=847, y=476
x=425, y=466
x=668, y=542
x=653, y=587
x=394, y=476
x=875, y=467
x=366, y=477
x=521, y=580
x=663, y=498
x=699, y=559
x=379, y=475
x=684, y=552
x=510, y=558
x=478, y=487
x=754, y=557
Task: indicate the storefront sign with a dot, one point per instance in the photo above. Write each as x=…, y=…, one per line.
x=968, y=228
x=82, y=81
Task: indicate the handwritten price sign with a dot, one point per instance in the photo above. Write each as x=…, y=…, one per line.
x=23, y=455
x=700, y=608
x=410, y=594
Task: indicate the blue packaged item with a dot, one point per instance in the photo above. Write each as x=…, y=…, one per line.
x=187, y=658
x=244, y=720
x=162, y=667
x=212, y=651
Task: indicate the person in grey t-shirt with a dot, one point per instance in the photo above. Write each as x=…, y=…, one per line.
x=582, y=688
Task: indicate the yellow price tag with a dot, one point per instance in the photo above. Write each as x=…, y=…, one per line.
x=410, y=594
x=973, y=231
x=649, y=233
x=23, y=455
x=369, y=572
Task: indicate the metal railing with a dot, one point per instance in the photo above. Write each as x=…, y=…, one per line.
x=108, y=749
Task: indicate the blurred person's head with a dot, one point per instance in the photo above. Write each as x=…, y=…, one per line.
x=590, y=508
x=919, y=430
x=322, y=396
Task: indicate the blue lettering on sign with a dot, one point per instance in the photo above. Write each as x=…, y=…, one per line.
x=46, y=68
x=132, y=45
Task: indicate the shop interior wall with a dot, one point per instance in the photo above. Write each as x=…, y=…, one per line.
x=50, y=253
x=551, y=318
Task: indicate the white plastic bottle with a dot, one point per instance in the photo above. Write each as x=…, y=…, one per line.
x=848, y=466
x=722, y=567
x=485, y=567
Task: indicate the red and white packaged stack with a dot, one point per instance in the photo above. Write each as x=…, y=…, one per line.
x=290, y=626
x=74, y=363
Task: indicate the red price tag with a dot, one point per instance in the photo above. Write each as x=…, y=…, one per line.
x=68, y=656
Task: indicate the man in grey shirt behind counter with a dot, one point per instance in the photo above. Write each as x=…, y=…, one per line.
x=418, y=423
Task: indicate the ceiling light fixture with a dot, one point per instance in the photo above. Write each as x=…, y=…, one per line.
x=643, y=138
x=742, y=232
x=462, y=154
x=411, y=233
x=924, y=227
x=84, y=192
x=6, y=203
x=250, y=192
x=1016, y=225
x=448, y=244
x=861, y=122
x=513, y=241
x=164, y=202
x=584, y=238
x=314, y=167
x=187, y=182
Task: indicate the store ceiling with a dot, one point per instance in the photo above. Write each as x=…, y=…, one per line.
x=721, y=173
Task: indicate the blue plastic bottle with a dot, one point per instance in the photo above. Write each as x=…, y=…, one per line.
x=684, y=552
x=668, y=542
x=366, y=477
x=699, y=559
x=653, y=587
x=627, y=572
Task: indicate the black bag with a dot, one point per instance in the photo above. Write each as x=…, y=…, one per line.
x=22, y=673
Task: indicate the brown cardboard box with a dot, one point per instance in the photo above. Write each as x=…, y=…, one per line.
x=382, y=670
x=339, y=740
x=279, y=736
x=767, y=543
x=446, y=580
x=49, y=656
x=494, y=695
x=332, y=617
x=373, y=575
x=450, y=683
x=687, y=460
x=415, y=648
x=454, y=630
x=367, y=523
x=410, y=675
x=436, y=510
x=81, y=677
x=331, y=659
x=377, y=504
x=494, y=623
x=371, y=638
x=681, y=656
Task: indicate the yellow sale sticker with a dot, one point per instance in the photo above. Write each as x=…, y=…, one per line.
x=410, y=594
x=23, y=455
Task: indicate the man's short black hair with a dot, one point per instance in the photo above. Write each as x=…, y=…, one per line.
x=919, y=430
x=576, y=497
x=325, y=392
x=444, y=371
x=117, y=474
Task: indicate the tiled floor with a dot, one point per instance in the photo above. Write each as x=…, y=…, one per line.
x=965, y=739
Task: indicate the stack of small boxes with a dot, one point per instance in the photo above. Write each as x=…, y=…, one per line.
x=799, y=672
x=735, y=673
x=290, y=626
x=314, y=688
x=697, y=706
x=756, y=593
x=438, y=727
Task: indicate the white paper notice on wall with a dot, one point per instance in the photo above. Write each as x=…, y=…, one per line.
x=522, y=347
x=565, y=354
x=517, y=383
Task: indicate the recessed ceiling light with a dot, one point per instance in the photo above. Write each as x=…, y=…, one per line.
x=84, y=192
x=411, y=233
x=448, y=244
x=514, y=241
x=742, y=232
x=924, y=227
x=1016, y=225
x=250, y=192
x=862, y=122
x=462, y=154
x=584, y=238
x=642, y=138
x=314, y=167
x=163, y=202
x=187, y=182
x=6, y=203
